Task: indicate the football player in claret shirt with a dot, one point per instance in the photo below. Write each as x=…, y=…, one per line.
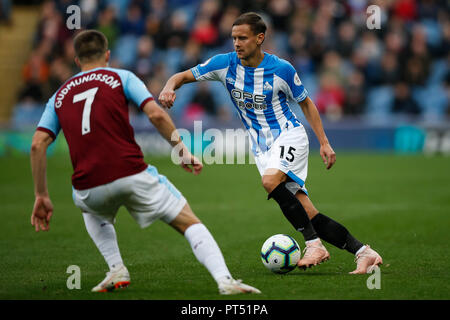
x=263, y=88
x=91, y=108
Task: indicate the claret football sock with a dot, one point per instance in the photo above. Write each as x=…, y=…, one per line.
x=293, y=211
x=104, y=236
x=335, y=233
x=207, y=251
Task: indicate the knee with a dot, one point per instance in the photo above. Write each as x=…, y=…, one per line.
x=270, y=182
x=185, y=219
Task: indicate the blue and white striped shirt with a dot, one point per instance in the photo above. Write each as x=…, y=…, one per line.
x=261, y=95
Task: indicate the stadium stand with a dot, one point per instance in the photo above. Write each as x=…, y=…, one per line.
x=400, y=71
x=16, y=31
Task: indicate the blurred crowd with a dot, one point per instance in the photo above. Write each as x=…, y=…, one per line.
x=5, y=11
x=401, y=69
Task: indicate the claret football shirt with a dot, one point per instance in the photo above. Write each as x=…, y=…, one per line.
x=91, y=108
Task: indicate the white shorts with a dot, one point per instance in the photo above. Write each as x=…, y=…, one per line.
x=147, y=195
x=289, y=154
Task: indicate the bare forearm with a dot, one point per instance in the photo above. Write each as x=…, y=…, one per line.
x=39, y=169
x=167, y=129
x=313, y=117
x=38, y=155
x=176, y=81
x=167, y=96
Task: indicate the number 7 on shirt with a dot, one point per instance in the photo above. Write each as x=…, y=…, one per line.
x=89, y=96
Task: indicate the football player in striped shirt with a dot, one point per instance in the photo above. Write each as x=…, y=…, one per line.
x=91, y=108
x=263, y=88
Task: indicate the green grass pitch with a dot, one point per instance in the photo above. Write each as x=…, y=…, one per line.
x=400, y=205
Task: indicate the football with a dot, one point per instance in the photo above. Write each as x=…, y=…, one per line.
x=280, y=253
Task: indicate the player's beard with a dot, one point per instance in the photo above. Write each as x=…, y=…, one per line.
x=240, y=54
x=247, y=56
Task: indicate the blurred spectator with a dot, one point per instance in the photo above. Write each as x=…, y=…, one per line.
x=346, y=39
x=88, y=11
x=134, y=22
x=175, y=32
x=145, y=57
x=403, y=101
x=394, y=42
x=386, y=71
x=370, y=46
x=333, y=64
x=330, y=98
x=280, y=11
x=36, y=69
x=35, y=75
x=107, y=23
x=191, y=56
x=355, y=94
x=202, y=102
x=226, y=22
x=205, y=32
x=120, y=7
x=205, y=29
x=60, y=71
x=319, y=40
x=405, y=9
x=418, y=62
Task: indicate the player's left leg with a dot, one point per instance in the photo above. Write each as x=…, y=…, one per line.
x=338, y=235
x=207, y=252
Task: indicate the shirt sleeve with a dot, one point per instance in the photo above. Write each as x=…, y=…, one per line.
x=136, y=91
x=210, y=69
x=49, y=121
x=299, y=92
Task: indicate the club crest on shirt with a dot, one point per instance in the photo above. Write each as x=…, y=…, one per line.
x=297, y=80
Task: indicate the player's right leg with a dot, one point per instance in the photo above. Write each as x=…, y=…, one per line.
x=208, y=252
x=274, y=181
x=103, y=234
x=99, y=209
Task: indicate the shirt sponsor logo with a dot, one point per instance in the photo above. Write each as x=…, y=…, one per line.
x=241, y=97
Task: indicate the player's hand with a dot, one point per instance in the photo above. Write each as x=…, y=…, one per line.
x=167, y=98
x=328, y=155
x=42, y=213
x=191, y=164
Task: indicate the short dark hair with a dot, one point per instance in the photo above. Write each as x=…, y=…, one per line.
x=90, y=45
x=254, y=20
